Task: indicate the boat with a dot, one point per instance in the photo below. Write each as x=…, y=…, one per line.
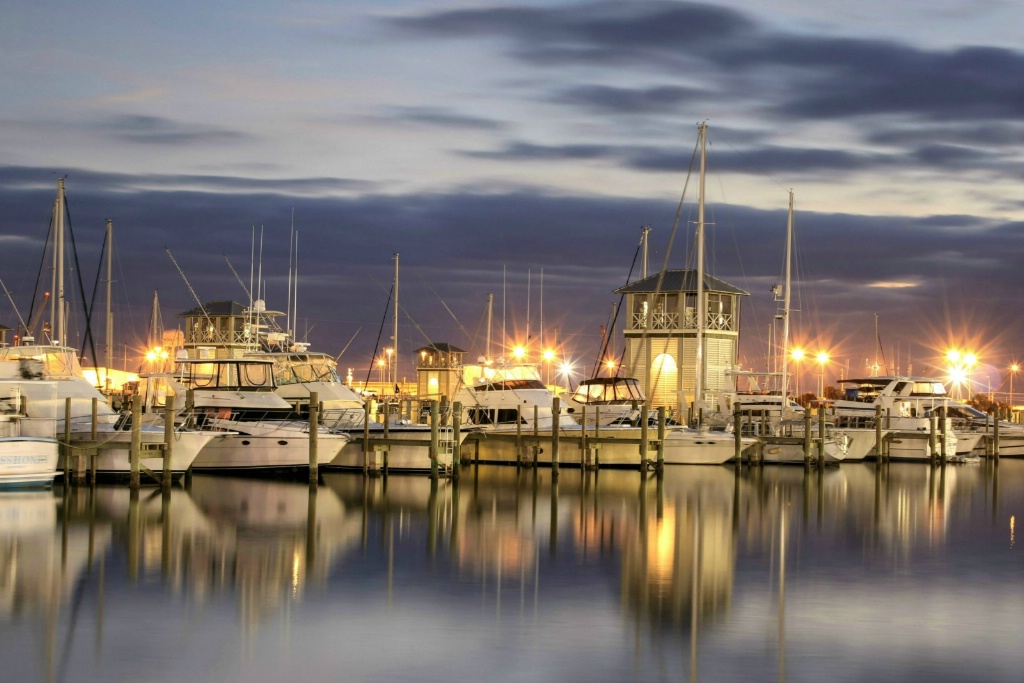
x=607, y=401
x=904, y=404
x=53, y=375
x=255, y=429
x=501, y=396
x=28, y=445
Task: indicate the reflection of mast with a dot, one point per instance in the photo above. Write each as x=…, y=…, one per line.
x=695, y=591
x=782, y=596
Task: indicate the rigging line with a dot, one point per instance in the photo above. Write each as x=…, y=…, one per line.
x=238, y=279
x=81, y=286
x=39, y=274
x=380, y=331
x=604, y=348
x=195, y=296
x=434, y=292
x=345, y=348
x=7, y=293
x=96, y=286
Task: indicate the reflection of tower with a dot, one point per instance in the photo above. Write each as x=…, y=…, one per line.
x=679, y=575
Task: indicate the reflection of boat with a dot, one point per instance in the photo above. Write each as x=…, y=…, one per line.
x=28, y=446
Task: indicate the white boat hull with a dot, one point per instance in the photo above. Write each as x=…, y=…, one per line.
x=27, y=461
x=793, y=453
x=400, y=457
x=113, y=459
x=273, y=450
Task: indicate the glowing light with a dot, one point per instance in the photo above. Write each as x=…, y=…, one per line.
x=822, y=357
x=518, y=352
x=548, y=355
x=797, y=354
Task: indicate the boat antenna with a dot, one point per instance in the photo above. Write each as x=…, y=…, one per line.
x=191, y=291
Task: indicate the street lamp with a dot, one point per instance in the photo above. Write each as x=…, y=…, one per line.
x=610, y=365
x=822, y=359
x=389, y=351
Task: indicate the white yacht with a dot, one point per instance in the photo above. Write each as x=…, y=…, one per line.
x=28, y=445
x=52, y=374
x=494, y=395
x=906, y=404
x=255, y=428
x=612, y=400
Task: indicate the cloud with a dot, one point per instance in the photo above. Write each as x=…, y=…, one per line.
x=442, y=118
x=156, y=130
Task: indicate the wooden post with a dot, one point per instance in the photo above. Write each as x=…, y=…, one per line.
x=596, y=448
x=135, y=450
x=168, y=440
x=878, y=432
x=95, y=416
x=457, y=435
x=67, y=441
x=661, y=438
x=737, y=432
x=643, y=436
x=933, y=445
x=366, y=436
x=821, y=436
x=314, y=439
x=942, y=435
x=807, y=436
x=555, y=410
x=584, y=455
x=435, y=432
x=995, y=437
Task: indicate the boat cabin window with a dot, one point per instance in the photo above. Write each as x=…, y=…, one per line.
x=928, y=389
x=511, y=385
x=240, y=376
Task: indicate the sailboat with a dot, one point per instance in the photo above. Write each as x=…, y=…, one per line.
x=57, y=364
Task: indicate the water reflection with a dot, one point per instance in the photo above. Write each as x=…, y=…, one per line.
x=705, y=573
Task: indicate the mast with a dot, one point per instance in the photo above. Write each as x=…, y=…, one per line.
x=698, y=384
x=643, y=240
x=490, y=308
x=394, y=338
x=785, y=302
x=58, y=320
x=108, y=349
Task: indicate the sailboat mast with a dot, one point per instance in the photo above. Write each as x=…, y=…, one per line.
x=785, y=300
x=108, y=337
x=490, y=310
x=394, y=338
x=643, y=240
x=698, y=384
x=58, y=321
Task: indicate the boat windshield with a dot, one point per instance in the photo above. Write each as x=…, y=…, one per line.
x=57, y=362
x=234, y=375
x=299, y=369
x=511, y=385
x=621, y=391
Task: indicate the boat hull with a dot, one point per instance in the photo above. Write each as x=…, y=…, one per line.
x=27, y=461
x=273, y=450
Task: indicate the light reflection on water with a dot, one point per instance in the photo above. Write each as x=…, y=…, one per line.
x=853, y=573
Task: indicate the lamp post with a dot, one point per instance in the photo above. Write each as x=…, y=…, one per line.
x=389, y=351
x=970, y=360
x=1014, y=367
x=797, y=355
x=549, y=355
x=611, y=367
x=822, y=359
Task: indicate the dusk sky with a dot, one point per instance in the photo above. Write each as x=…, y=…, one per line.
x=476, y=138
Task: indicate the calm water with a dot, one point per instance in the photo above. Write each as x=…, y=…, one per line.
x=902, y=574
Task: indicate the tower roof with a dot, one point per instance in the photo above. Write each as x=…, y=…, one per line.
x=679, y=281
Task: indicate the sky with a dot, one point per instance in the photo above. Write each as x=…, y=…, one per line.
x=517, y=149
